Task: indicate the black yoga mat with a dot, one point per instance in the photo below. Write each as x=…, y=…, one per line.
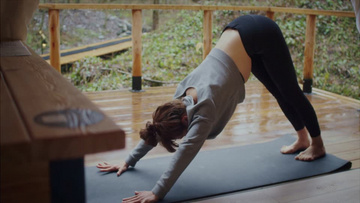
x=212, y=172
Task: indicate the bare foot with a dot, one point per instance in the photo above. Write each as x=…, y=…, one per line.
x=301, y=143
x=311, y=153
x=296, y=146
x=315, y=151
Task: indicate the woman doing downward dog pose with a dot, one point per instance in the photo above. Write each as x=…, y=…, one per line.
x=206, y=99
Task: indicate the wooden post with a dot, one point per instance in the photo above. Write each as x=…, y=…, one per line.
x=309, y=53
x=207, y=32
x=136, y=49
x=270, y=14
x=54, y=39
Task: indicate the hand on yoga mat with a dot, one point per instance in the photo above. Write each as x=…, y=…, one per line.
x=106, y=167
x=142, y=197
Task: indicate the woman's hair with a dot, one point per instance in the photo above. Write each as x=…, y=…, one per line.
x=167, y=125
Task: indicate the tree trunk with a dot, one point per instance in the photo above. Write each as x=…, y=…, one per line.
x=155, y=24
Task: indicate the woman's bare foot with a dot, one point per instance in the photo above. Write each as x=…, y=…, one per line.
x=296, y=146
x=301, y=143
x=315, y=151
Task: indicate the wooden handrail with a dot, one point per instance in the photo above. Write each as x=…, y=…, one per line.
x=197, y=7
x=207, y=29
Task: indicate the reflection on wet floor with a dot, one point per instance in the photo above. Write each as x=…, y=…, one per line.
x=257, y=119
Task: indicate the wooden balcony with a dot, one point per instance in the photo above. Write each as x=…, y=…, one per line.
x=258, y=119
x=136, y=10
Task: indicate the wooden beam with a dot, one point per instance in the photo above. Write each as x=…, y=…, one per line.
x=312, y=12
x=197, y=7
x=147, y=7
x=270, y=14
x=54, y=39
x=43, y=97
x=207, y=32
x=137, y=47
x=309, y=52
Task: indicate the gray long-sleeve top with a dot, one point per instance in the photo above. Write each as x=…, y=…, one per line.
x=220, y=87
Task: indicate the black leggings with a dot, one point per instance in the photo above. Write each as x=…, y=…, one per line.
x=273, y=66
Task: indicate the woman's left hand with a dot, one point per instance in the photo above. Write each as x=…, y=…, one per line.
x=142, y=197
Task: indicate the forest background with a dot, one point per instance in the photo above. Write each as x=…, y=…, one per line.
x=172, y=46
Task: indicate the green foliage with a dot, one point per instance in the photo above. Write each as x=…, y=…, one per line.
x=170, y=53
x=175, y=49
x=95, y=74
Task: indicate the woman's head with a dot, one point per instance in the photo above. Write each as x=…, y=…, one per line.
x=169, y=123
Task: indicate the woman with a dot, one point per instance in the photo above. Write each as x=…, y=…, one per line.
x=206, y=99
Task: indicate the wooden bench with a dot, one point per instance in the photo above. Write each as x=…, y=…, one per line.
x=47, y=126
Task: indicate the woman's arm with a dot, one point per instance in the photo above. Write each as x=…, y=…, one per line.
x=138, y=152
x=186, y=152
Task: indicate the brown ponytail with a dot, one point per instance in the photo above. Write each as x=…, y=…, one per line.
x=149, y=134
x=167, y=125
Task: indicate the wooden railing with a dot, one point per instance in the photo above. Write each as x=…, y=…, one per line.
x=207, y=30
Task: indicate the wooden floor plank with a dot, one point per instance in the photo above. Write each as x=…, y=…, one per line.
x=350, y=195
x=339, y=187
x=257, y=119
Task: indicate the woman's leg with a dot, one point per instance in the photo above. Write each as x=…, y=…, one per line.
x=303, y=141
x=280, y=79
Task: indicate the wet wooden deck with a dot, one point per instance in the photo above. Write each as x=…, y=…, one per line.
x=257, y=119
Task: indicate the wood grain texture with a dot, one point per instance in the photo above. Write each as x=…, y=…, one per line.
x=257, y=119
x=37, y=88
x=309, y=46
x=10, y=120
x=15, y=141
x=136, y=42
x=340, y=187
x=29, y=87
x=207, y=32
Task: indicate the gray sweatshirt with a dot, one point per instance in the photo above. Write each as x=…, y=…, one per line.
x=220, y=87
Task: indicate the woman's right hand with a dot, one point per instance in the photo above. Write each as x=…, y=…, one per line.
x=106, y=167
